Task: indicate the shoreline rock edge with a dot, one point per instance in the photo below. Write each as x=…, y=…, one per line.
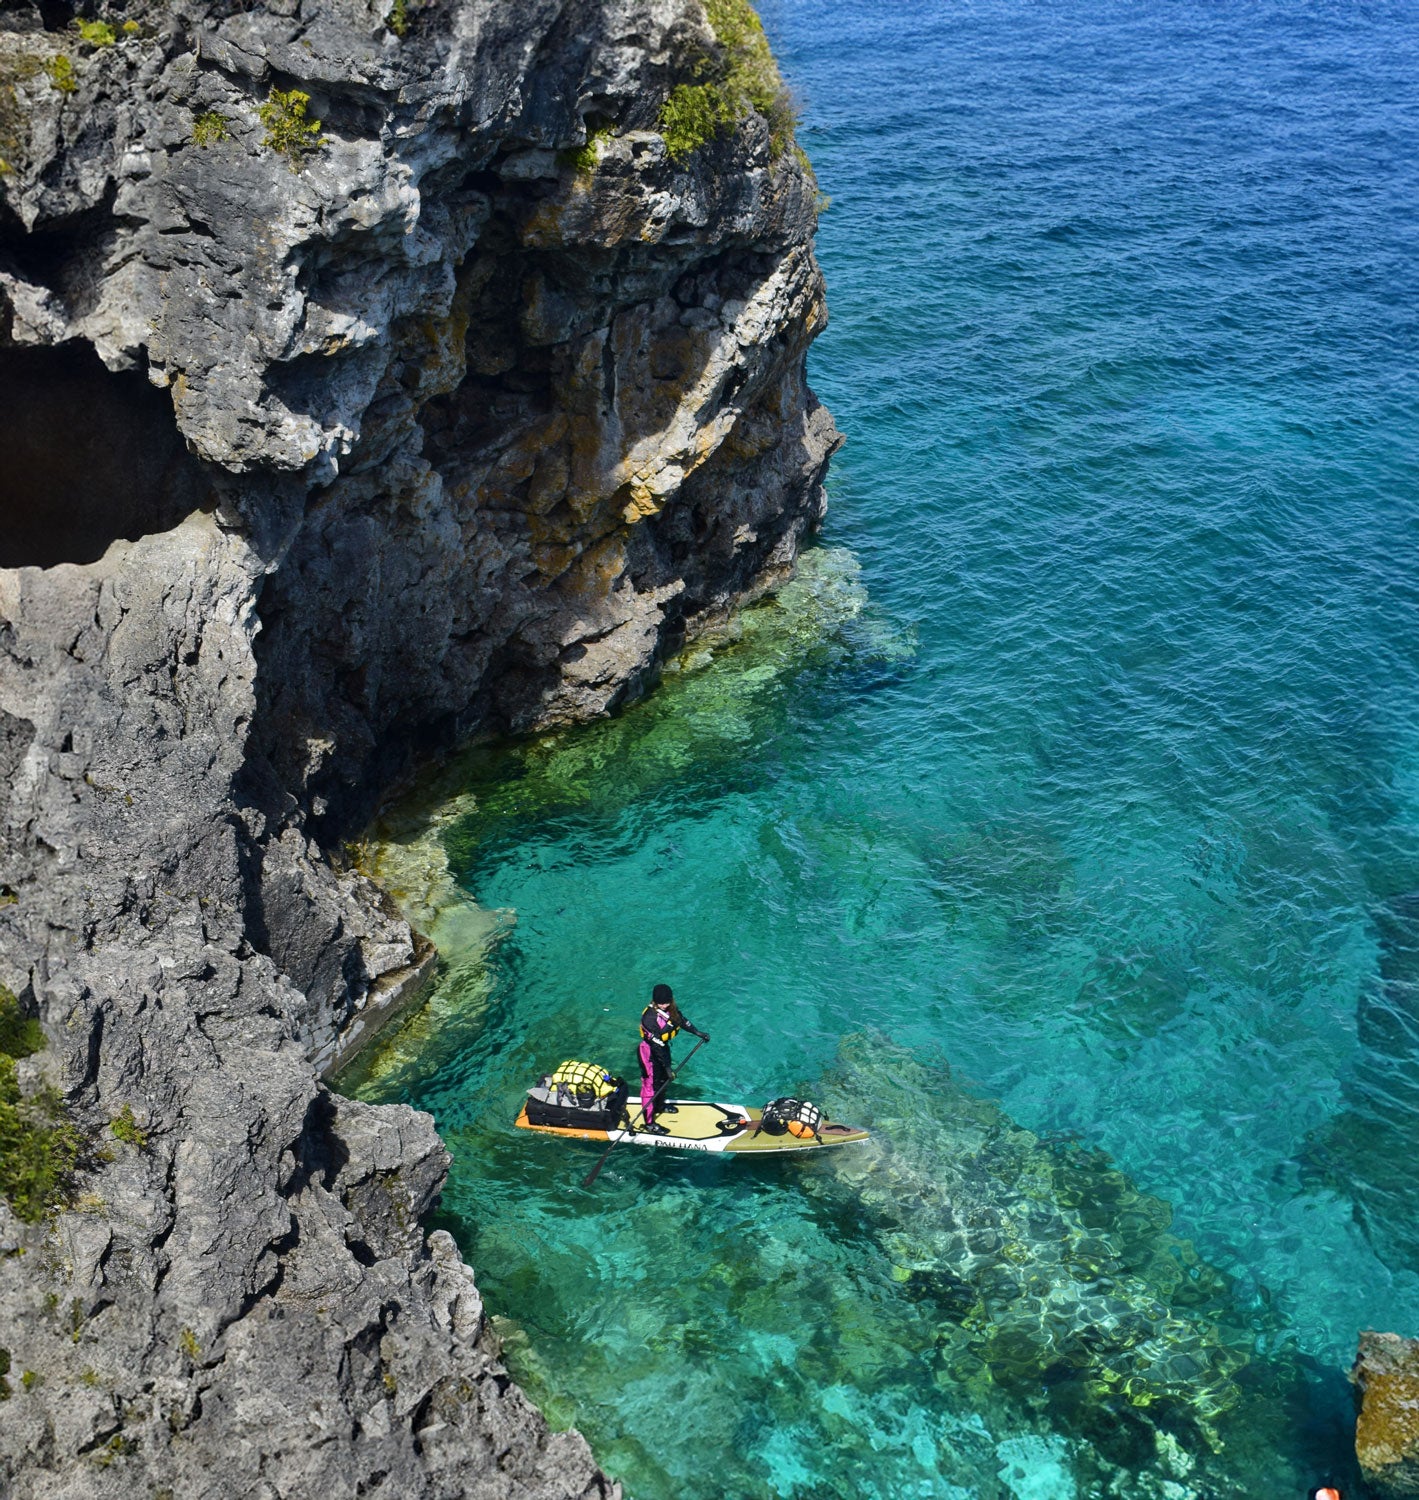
x=453, y=418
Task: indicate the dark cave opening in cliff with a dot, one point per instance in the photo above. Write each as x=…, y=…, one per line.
x=90, y=457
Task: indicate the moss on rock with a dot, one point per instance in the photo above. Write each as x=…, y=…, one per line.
x=738, y=78
x=288, y=132
x=17, y=68
x=39, y=1145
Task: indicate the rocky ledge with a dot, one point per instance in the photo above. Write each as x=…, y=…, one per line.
x=374, y=375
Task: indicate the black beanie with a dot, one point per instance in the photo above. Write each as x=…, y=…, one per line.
x=662, y=995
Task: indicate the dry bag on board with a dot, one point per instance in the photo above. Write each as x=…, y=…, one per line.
x=791, y=1117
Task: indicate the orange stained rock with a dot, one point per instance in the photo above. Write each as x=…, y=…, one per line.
x=641, y=506
x=600, y=566
x=1388, y=1426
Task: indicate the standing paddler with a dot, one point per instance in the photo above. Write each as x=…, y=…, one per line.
x=660, y=1020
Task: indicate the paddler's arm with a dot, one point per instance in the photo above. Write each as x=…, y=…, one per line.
x=679, y=1019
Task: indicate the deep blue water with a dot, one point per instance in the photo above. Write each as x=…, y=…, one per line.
x=1069, y=843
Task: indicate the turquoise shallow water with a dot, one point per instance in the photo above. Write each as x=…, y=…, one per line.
x=1061, y=823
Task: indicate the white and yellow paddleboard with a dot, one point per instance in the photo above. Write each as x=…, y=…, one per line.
x=696, y=1125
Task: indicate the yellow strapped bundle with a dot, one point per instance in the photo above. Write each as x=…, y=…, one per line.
x=582, y=1079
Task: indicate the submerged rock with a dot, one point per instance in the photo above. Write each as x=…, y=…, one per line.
x=1055, y=1278
x=1386, y=1376
x=1366, y=1152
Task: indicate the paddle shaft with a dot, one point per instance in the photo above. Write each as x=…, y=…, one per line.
x=593, y=1173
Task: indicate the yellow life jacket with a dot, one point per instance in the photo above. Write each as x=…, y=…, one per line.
x=650, y=1033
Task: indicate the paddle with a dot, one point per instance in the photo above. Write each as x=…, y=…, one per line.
x=592, y=1174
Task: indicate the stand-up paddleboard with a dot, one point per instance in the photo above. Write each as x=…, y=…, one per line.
x=697, y=1125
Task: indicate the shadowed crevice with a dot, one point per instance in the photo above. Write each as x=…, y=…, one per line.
x=91, y=458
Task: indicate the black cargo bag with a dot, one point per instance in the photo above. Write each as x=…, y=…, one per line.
x=549, y=1105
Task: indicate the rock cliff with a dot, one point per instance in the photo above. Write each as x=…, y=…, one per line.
x=328, y=445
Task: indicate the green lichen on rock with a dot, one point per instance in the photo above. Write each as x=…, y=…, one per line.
x=210, y=128
x=16, y=70
x=61, y=73
x=20, y=1036
x=118, y=1446
x=288, y=132
x=96, y=33
x=39, y=1146
x=737, y=78
x=584, y=158
x=126, y=1129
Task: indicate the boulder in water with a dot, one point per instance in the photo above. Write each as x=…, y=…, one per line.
x=1386, y=1376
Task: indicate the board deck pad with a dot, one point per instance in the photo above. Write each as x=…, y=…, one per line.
x=701, y=1125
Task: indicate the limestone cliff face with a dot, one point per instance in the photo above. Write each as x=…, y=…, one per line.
x=315, y=462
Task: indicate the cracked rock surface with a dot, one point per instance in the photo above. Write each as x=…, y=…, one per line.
x=442, y=422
